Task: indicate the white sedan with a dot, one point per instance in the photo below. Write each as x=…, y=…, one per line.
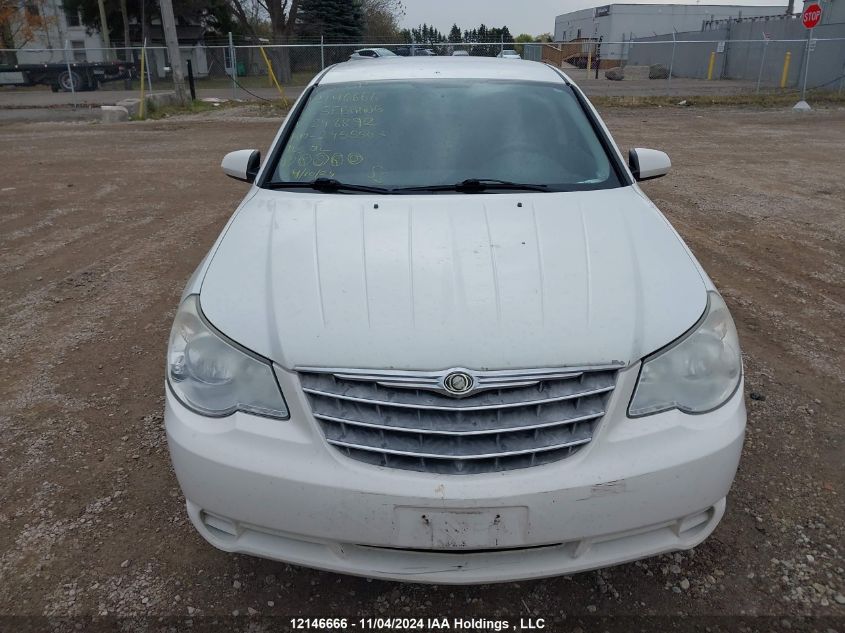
x=372, y=53
x=447, y=338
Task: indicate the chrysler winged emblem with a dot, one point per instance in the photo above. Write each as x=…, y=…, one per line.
x=458, y=382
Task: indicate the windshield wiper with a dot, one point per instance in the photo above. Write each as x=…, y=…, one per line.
x=474, y=185
x=326, y=184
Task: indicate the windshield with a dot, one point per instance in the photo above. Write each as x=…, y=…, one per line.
x=404, y=134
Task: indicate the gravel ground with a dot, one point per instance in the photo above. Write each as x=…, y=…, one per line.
x=100, y=226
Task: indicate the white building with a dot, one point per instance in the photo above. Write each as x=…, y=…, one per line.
x=66, y=37
x=63, y=29
x=621, y=22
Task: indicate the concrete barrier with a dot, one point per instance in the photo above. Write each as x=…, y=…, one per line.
x=153, y=101
x=113, y=114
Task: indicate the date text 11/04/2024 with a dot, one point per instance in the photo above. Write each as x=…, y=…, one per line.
x=417, y=624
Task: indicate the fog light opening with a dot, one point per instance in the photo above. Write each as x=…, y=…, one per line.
x=220, y=527
x=693, y=521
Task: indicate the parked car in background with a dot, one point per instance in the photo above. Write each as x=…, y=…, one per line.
x=415, y=51
x=509, y=54
x=447, y=338
x=372, y=53
x=460, y=53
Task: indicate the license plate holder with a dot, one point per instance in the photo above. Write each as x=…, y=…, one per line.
x=460, y=528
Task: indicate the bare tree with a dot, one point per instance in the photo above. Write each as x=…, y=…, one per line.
x=282, y=16
x=247, y=15
x=382, y=17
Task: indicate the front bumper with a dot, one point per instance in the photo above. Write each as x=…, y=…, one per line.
x=276, y=489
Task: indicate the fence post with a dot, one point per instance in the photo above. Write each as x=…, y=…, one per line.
x=672, y=60
x=785, y=73
x=762, y=62
x=143, y=104
x=69, y=72
x=807, y=64
x=322, y=53
x=129, y=56
x=147, y=62
x=191, y=80
x=710, y=65
x=234, y=66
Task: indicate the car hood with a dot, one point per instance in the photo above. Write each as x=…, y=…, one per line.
x=484, y=281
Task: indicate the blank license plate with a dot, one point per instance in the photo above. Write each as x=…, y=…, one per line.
x=460, y=528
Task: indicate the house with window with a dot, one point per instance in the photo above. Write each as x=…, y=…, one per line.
x=191, y=46
x=53, y=34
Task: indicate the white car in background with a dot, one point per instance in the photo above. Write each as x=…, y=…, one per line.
x=509, y=54
x=372, y=53
x=447, y=338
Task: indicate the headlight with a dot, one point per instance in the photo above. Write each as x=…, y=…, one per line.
x=214, y=376
x=696, y=374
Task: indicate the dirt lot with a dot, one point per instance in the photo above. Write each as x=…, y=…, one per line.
x=100, y=226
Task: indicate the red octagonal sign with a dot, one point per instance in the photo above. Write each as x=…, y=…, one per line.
x=811, y=16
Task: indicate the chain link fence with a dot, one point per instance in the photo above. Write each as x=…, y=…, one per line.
x=649, y=66
x=765, y=64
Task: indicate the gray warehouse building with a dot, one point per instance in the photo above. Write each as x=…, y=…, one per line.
x=622, y=22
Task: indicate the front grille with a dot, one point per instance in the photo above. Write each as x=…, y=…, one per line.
x=405, y=420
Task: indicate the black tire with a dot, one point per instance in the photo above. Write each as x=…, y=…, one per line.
x=66, y=78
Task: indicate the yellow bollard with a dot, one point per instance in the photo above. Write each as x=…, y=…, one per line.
x=710, y=66
x=143, y=101
x=785, y=73
x=272, y=75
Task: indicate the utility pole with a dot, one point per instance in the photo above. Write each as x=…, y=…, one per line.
x=168, y=23
x=104, y=29
x=127, y=53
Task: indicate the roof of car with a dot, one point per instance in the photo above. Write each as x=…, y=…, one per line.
x=387, y=68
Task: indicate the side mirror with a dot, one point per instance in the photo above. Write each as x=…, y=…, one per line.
x=646, y=164
x=242, y=164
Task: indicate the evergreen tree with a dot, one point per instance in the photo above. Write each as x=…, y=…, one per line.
x=455, y=34
x=335, y=20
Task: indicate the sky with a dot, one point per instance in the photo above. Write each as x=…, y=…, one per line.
x=520, y=16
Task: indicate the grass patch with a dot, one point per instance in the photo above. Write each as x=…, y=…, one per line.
x=763, y=100
x=251, y=82
x=154, y=112
x=269, y=109
x=272, y=109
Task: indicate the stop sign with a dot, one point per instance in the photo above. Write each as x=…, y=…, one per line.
x=811, y=16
